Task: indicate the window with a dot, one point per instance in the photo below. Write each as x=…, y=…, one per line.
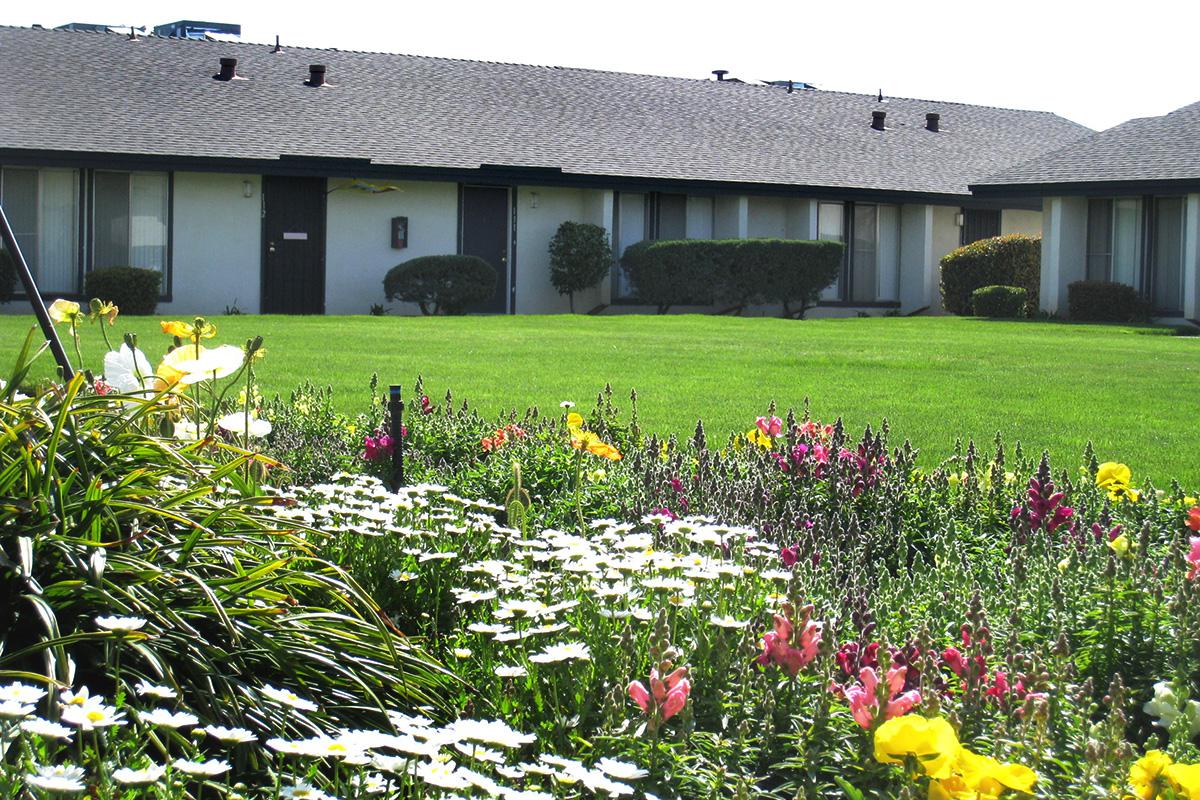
x=43, y=207
x=126, y=214
x=666, y=216
x=978, y=223
x=871, y=267
x=1138, y=241
x=129, y=220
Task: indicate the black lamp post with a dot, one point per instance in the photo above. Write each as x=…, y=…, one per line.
x=35, y=297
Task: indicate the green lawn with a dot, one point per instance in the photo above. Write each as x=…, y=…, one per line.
x=1052, y=386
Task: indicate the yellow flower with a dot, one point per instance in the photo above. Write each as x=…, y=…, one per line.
x=1120, y=546
x=932, y=742
x=1146, y=774
x=1185, y=778
x=1114, y=478
x=574, y=421
x=102, y=309
x=988, y=776
x=755, y=436
x=64, y=310
x=201, y=330
x=194, y=363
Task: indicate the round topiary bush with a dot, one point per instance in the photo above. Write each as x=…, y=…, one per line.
x=580, y=257
x=8, y=276
x=441, y=284
x=132, y=289
x=1013, y=260
x=999, y=301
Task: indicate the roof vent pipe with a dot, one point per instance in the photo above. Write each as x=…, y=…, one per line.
x=278, y=46
x=316, y=75
x=228, y=70
x=720, y=73
x=931, y=121
x=877, y=118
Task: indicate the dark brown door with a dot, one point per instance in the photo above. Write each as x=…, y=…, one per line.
x=484, y=217
x=293, y=262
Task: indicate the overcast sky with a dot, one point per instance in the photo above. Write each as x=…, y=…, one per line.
x=1098, y=63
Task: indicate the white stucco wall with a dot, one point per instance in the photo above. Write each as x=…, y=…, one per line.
x=946, y=235
x=700, y=217
x=1064, y=239
x=767, y=217
x=731, y=219
x=217, y=244
x=536, y=227
x=358, y=251
x=1014, y=220
x=801, y=220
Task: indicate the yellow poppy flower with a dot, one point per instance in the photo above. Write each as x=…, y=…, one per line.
x=574, y=421
x=64, y=310
x=201, y=330
x=933, y=742
x=1185, y=778
x=988, y=776
x=102, y=309
x=1112, y=472
x=1146, y=774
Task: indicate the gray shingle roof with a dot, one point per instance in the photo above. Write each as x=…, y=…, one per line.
x=96, y=92
x=1150, y=149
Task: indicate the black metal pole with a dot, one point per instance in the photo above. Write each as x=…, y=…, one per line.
x=396, y=410
x=35, y=297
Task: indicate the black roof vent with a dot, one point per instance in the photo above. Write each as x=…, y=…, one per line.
x=877, y=118
x=278, y=47
x=228, y=71
x=720, y=73
x=316, y=75
x=931, y=121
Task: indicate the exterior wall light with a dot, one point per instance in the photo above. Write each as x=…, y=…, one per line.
x=247, y=189
x=533, y=199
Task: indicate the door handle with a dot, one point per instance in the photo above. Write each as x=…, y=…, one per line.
x=270, y=247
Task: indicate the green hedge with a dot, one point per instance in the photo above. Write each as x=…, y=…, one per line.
x=441, y=284
x=1013, y=260
x=133, y=290
x=736, y=272
x=1000, y=301
x=1103, y=301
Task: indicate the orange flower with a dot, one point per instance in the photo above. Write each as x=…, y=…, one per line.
x=1193, y=519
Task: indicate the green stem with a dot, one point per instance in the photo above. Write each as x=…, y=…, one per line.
x=75, y=339
x=578, y=491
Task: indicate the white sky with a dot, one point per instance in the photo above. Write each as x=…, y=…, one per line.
x=1098, y=63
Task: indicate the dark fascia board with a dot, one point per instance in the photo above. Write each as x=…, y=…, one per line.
x=496, y=174
x=1108, y=188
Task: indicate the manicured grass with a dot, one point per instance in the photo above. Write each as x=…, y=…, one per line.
x=936, y=380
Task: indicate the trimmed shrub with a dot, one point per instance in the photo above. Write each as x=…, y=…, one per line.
x=1104, y=301
x=441, y=284
x=8, y=276
x=1013, y=260
x=132, y=289
x=739, y=272
x=999, y=301
x=580, y=257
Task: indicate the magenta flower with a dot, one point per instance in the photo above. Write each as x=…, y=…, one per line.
x=665, y=698
x=377, y=447
x=1193, y=558
x=769, y=426
x=866, y=697
x=777, y=645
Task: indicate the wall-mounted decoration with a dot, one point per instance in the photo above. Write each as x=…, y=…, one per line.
x=399, y=233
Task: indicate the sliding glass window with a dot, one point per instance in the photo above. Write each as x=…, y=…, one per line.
x=129, y=219
x=1138, y=242
x=43, y=208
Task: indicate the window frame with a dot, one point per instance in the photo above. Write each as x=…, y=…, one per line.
x=845, y=281
x=1145, y=266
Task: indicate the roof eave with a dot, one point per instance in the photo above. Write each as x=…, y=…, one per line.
x=1072, y=188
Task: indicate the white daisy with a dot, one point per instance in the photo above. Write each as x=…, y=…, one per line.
x=22, y=693
x=208, y=769
x=304, y=791
x=92, y=715
x=504, y=671
x=570, y=651
x=47, y=729
x=288, y=698
x=121, y=624
x=145, y=688
x=620, y=769
x=62, y=778
x=138, y=777
x=168, y=719
x=229, y=735
x=14, y=709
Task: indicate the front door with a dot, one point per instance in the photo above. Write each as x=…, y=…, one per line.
x=483, y=212
x=293, y=261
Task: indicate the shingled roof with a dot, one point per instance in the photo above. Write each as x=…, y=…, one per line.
x=1150, y=150
x=100, y=93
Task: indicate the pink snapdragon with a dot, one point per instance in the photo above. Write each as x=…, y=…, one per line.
x=378, y=447
x=868, y=699
x=777, y=645
x=1193, y=558
x=769, y=426
x=666, y=696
